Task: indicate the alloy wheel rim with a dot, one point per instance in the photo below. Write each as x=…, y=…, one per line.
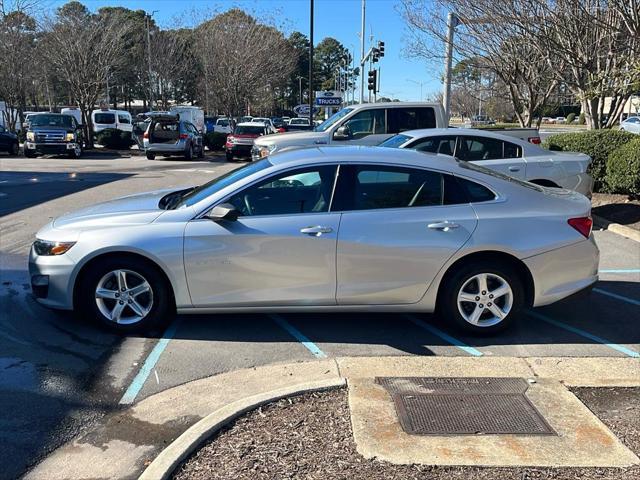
x=485, y=299
x=124, y=297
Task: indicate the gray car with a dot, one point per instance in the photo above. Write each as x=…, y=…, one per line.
x=167, y=135
x=631, y=124
x=323, y=229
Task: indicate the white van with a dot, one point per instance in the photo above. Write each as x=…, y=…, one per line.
x=74, y=112
x=191, y=114
x=104, y=119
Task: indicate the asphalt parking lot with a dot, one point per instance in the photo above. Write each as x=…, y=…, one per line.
x=59, y=374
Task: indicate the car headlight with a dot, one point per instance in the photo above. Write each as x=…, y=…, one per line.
x=31, y=136
x=70, y=137
x=266, y=150
x=47, y=248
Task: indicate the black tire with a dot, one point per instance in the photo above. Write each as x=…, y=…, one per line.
x=188, y=155
x=74, y=154
x=201, y=152
x=14, y=148
x=229, y=157
x=448, y=307
x=151, y=156
x=162, y=308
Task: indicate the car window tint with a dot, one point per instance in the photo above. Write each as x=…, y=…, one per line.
x=365, y=187
x=444, y=145
x=123, y=119
x=104, y=118
x=365, y=123
x=408, y=118
x=511, y=150
x=454, y=192
x=473, y=149
x=476, y=192
x=305, y=190
x=395, y=142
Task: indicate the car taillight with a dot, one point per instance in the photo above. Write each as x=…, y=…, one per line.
x=184, y=136
x=582, y=225
x=534, y=140
x=145, y=135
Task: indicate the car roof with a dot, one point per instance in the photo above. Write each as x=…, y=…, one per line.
x=432, y=132
x=251, y=124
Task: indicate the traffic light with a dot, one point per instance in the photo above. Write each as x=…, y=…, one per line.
x=373, y=80
x=375, y=54
x=380, y=49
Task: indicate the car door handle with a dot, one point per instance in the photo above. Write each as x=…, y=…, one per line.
x=514, y=169
x=316, y=231
x=444, y=226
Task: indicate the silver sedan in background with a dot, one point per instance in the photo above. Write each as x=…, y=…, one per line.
x=323, y=229
x=512, y=156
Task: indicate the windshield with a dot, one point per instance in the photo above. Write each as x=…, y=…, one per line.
x=104, y=118
x=223, y=122
x=64, y=121
x=332, y=119
x=502, y=176
x=299, y=121
x=249, y=130
x=191, y=197
x=395, y=141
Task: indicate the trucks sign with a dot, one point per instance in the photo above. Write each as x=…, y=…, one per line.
x=328, y=98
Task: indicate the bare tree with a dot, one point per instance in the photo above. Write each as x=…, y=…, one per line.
x=243, y=61
x=83, y=49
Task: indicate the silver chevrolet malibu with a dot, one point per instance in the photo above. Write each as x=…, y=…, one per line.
x=323, y=229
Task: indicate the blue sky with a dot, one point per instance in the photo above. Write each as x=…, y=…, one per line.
x=333, y=18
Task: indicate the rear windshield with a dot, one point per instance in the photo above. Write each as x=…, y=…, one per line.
x=395, y=141
x=65, y=121
x=104, y=118
x=247, y=130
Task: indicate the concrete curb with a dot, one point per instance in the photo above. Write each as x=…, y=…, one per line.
x=167, y=461
x=623, y=230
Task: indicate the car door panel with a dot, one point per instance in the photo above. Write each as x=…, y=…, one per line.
x=261, y=261
x=391, y=256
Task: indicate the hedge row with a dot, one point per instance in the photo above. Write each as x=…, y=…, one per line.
x=115, y=139
x=623, y=168
x=599, y=145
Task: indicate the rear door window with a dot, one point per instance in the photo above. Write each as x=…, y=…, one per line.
x=410, y=118
x=473, y=149
x=444, y=145
x=123, y=119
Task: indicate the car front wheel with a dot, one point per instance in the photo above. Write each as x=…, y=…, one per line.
x=14, y=148
x=482, y=297
x=126, y=295
x=150, y=156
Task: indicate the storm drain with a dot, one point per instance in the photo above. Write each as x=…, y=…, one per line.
x=464, y=406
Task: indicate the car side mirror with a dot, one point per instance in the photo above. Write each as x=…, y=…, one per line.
x=342, y=133
x=25, y=125
x=224, y=211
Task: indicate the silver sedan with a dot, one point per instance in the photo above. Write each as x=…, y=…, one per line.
x=323, y=229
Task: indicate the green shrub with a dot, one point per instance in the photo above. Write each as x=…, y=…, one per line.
x=215, y=140
x=114, y=139
x=571, y=117
x=581, y=119
x=623, y=169
x=598, y=144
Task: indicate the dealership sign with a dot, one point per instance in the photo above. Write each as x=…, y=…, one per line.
x=328, y=98
x=303, y=110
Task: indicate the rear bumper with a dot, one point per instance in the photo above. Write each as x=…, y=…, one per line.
x=563, y=272
x=168, y=148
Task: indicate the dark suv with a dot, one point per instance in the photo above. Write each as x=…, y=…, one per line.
x=53, y=133
x=8, y=141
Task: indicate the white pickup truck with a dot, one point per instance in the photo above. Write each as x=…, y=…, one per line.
x=368, y=124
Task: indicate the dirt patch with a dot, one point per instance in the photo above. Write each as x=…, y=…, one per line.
x=309, y=437
x=620, y=209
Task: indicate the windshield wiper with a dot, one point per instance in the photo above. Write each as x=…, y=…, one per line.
x=171, y=200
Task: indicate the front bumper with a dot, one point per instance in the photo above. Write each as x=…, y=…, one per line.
x=562, y=272
x=239, y=149
x=50, y=148
x=51, y=280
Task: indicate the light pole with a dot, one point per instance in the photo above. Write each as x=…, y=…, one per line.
x=452, y=22
x=300, y=88
x=362, y=53
x=311, y=62
x=417, y=83
x=148, y=18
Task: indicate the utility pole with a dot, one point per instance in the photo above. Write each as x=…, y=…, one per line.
x=148, y=18
x=452, y=23
x=311, y=62
x=362, y=61
x=300, y=88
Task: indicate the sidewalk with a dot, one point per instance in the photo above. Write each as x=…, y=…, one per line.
x=160, y=431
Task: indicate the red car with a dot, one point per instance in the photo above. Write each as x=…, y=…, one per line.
x=239, y=142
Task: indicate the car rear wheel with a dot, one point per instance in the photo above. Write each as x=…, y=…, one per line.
x=126, y=295
x=188, y=155
x=151, y=156
x=229, y=157
x=201, y=152
x=482, y=297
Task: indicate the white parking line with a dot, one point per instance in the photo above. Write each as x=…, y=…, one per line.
x=622, y=298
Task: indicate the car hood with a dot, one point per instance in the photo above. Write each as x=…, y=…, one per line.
x=293, y=139
x=136, y=209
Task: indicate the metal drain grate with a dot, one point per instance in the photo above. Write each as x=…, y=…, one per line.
x=464, y=406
